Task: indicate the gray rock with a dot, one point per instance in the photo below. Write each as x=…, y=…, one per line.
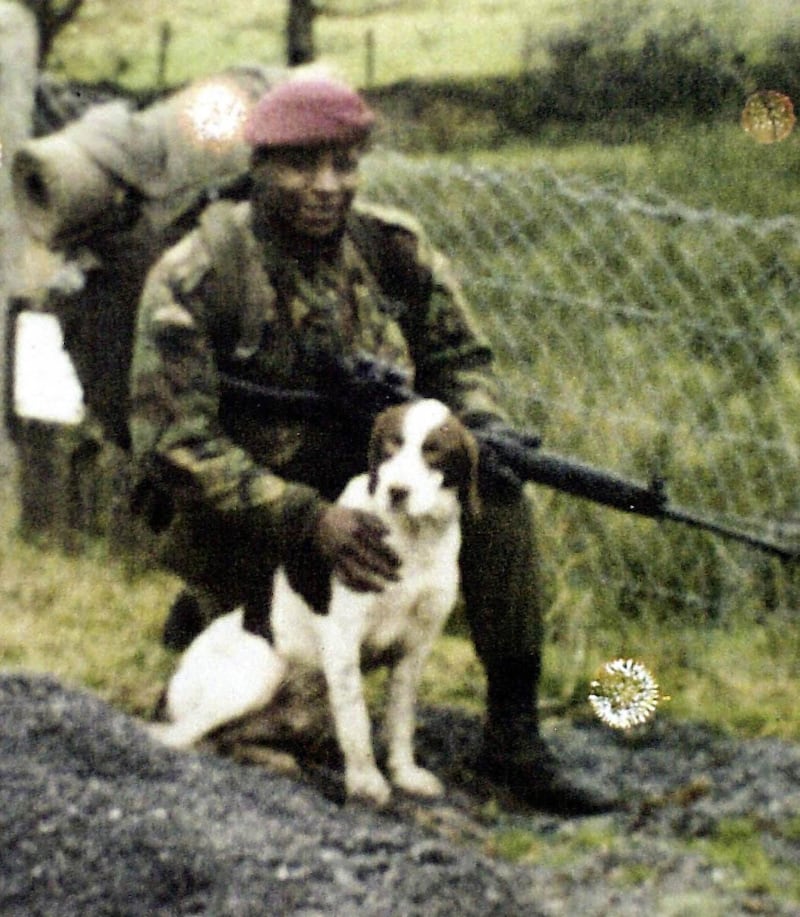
x=96, y=819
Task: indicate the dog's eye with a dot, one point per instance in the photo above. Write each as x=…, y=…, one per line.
x=392, y=444
x=431, y=450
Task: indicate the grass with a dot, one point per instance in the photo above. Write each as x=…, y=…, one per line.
x=739, y=843
x=738, y=847
x=475, y=39
x=87, y=618
x=411, y=38
x=91, y=620
x=714, y=165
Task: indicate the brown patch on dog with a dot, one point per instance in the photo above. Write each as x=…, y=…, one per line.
x=452, y=449
x=386, y=439
x=296, y=724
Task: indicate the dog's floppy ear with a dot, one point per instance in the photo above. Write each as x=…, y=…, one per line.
x=384, y=440
x=458, y=460
x=470, y=498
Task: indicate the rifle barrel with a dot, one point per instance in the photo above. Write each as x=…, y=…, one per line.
x=582, y=480
x=626, y=496
x=753, y=540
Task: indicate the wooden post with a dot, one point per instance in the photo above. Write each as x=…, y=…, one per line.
x=369, y=64
x=528, y=48
x=164, y=41
x=300, y=47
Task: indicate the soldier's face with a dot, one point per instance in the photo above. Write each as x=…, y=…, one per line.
x=307, y=190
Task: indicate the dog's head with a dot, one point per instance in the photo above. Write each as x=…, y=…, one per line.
x=423, y=462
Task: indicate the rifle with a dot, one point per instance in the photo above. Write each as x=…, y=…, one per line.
x=609, y=489
x=357, y=389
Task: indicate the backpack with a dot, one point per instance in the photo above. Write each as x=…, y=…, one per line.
x=110, y=192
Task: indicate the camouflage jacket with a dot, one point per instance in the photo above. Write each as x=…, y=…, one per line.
x=225, y=300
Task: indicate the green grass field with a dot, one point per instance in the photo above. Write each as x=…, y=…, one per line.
x=704, y=163
x=716, y=165
x=413, y=39
x=94, y=621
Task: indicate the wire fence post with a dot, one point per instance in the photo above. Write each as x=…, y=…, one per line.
x=164, y=42
x=369, y=58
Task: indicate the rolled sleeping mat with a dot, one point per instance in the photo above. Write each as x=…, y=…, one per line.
x=76, y=182
x=60, y=190
x=197, y=136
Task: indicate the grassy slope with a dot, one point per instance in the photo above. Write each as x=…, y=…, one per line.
x=710, y=165
x=412, y=38
x=706, y=165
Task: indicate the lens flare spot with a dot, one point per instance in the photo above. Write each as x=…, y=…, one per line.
x=215, y=113
x=768, y=116
x=624, y=694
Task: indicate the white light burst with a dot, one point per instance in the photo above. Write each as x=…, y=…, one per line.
x=768, y=116
x=215, y=112
x=624, y=694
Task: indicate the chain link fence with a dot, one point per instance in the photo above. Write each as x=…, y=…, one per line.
x=641, y=336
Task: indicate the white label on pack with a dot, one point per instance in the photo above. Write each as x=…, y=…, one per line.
x=46, y=386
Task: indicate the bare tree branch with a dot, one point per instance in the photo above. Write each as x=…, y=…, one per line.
x=51, y=17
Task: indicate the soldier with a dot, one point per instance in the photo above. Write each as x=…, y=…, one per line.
x=267, y=291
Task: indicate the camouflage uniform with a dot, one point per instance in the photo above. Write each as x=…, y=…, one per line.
x=245, y=488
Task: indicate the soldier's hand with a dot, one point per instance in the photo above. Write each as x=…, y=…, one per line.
x=354, y=543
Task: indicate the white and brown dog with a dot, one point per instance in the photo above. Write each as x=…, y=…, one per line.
x=422, y=472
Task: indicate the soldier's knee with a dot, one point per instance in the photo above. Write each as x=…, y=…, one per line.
x=512, y=514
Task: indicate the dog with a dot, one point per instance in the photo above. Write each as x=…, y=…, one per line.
x=421, y=477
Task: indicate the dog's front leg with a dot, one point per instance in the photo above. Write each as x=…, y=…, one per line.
x=407, y=775
x=340, y=648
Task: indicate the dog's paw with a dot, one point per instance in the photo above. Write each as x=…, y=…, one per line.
x=169, y=734
x=418, y=782
x=369, y=786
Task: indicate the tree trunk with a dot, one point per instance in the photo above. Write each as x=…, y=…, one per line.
x=51, y=17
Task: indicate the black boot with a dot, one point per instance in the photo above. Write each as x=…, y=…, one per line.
x=516, y=758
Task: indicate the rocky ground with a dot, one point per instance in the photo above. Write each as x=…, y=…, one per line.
x=95, y=819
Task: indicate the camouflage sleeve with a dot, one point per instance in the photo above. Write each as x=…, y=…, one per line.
x=454, y=360
x=174, y=418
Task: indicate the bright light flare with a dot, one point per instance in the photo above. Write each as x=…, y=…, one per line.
x=624, y=694
x=768, y=116
x=215, y=112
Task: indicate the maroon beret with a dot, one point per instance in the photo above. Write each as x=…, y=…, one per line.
x=308, y=112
